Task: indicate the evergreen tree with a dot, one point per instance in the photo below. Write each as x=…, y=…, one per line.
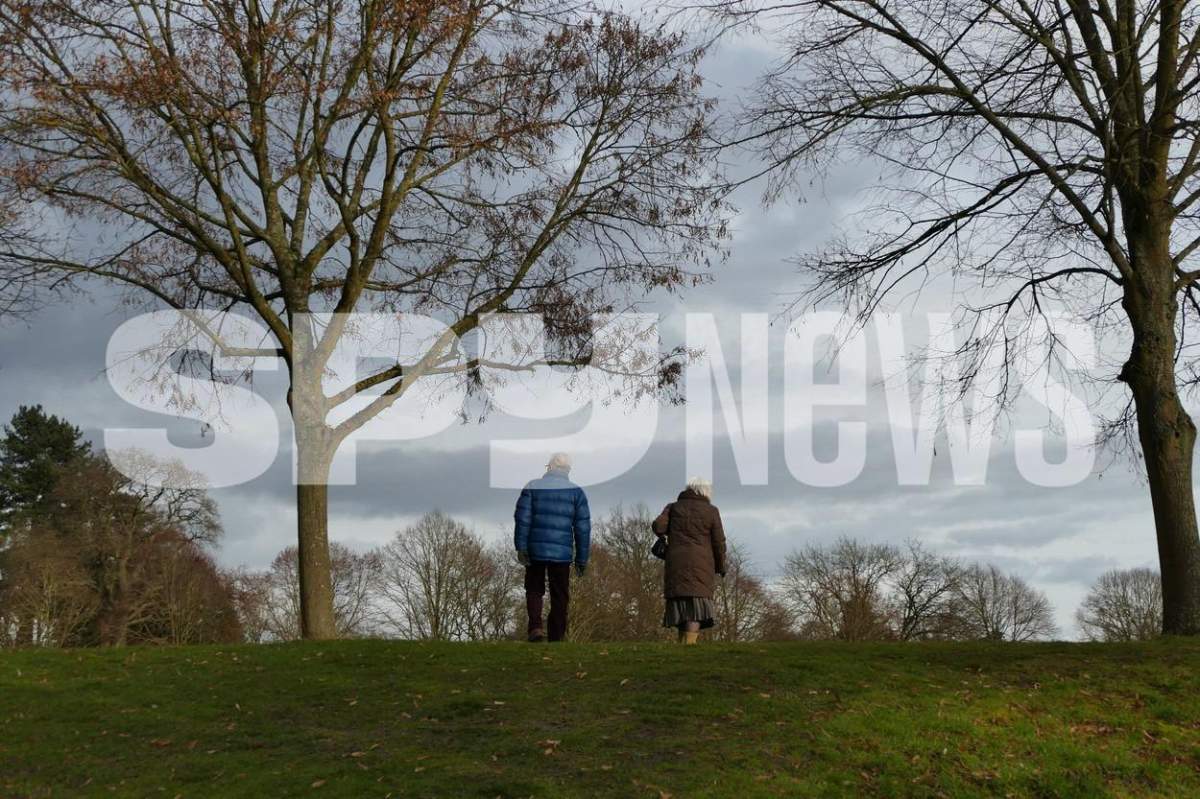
x=34, y=447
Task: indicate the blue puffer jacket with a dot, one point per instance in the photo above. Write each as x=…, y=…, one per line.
x=553, y=520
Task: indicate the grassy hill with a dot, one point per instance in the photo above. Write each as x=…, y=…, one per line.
x=376, y=719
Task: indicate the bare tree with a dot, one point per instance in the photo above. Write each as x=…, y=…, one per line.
x=193, y=601
x=47, y=597
x=277, y=597
x=301, y=161
x=621, y=596
x=635, y=594
x=491, y=583
x=923, y=590
x=439, y=581
x=746, y=607
x=421, y=577
x=179, y=495
x=995, y=606
x=117, y=531
x=840, y=591
x=1044, y=152
x=593, y=599
x=1123, y=605
x=251, y=597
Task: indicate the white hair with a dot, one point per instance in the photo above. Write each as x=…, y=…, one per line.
x=701, y=486
x=560, y=460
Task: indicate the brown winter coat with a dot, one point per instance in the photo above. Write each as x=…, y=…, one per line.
x=695, y=546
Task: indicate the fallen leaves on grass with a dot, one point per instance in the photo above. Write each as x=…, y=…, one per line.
x=549, y=746
x=1090, y=729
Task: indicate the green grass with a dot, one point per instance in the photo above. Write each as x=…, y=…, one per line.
x=375, y=719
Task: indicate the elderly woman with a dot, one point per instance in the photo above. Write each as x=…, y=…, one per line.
x=695, y=556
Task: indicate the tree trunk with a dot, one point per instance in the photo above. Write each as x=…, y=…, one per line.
x=113, y=626
x=25, y=632
x=315, y=446
x=312, y=532
x=1168, y=438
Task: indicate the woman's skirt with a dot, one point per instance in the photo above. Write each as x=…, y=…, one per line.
x=681, y=610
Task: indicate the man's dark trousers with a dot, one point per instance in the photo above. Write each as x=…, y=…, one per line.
x=560, y=596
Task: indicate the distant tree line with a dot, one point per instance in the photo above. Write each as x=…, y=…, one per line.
x=439, y=580
x=853, y=591
x=91, y=557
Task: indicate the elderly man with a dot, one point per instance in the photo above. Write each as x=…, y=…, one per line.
x=553, y=528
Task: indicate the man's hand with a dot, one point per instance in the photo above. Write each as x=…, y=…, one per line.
x=523, y=557
x=580, y=569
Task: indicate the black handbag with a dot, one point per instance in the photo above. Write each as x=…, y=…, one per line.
x=659, y=550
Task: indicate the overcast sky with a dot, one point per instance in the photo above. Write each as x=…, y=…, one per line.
x=1059, y=539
